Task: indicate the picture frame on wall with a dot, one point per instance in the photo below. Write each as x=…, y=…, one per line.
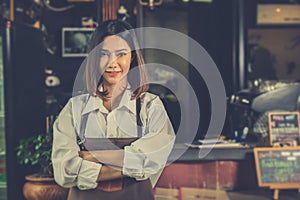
x=75, y=41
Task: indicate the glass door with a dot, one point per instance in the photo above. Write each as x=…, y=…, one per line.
x=3, y=195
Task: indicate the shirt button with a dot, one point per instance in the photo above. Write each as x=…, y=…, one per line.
x=111, y=135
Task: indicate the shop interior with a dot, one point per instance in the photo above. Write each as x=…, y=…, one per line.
x=254, y=45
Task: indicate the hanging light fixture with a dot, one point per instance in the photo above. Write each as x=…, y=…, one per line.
x=150, y=3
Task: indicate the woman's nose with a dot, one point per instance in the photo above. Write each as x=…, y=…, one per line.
x=113, y=62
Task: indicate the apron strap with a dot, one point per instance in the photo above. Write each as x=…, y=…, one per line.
x=80, y=137
x=138, y=118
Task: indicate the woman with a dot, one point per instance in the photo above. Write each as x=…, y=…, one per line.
x=129, y=163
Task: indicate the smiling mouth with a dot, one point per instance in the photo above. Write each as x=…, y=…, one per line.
x=113, y=72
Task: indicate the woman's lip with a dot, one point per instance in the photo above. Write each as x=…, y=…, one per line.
x=113, y=71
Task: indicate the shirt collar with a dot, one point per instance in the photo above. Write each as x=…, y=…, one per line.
x=96, y=103
x=93, y=103
x=127, y=101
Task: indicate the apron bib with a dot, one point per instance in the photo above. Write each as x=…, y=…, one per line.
x=124, y=189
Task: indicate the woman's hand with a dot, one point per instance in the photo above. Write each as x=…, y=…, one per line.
x=109, y=173
x=86, y=155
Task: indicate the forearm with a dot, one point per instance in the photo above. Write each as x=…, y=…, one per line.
x=109, y=173
x=112, y=161
x=106, y=157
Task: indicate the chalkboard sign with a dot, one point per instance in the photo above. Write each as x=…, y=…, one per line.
x=278, y=167
x=283, y=127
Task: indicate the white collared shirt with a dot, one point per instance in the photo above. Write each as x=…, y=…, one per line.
x=144, y=158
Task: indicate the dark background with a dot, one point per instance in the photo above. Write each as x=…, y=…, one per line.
x=28, y=52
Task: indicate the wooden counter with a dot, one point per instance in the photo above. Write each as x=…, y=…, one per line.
x=221, y=168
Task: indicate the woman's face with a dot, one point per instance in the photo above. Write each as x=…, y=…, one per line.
x=115, y=59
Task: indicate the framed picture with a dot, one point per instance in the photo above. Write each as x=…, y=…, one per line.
x=283, y=127
x=75, y=41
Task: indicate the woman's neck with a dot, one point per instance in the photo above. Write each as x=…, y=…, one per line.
x=109, y=90
x=113, y=91
x=113, y=96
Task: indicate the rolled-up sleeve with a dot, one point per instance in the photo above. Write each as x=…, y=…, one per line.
x=147, y=156
x=69, y=169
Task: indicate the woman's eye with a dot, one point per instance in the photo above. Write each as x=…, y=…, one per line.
x=121, y=54
x=103, y=53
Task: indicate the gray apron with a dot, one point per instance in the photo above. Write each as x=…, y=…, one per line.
x=131, y=188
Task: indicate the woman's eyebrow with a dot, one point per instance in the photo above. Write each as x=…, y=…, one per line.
x=124, y=49
x=117, y=51
x=101, y=50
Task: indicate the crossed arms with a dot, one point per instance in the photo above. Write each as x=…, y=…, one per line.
x=111, y=160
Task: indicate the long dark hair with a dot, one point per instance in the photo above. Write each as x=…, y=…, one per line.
x=124, y=30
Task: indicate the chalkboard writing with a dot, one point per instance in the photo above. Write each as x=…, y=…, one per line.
x=278, y=166
x=283, y=127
